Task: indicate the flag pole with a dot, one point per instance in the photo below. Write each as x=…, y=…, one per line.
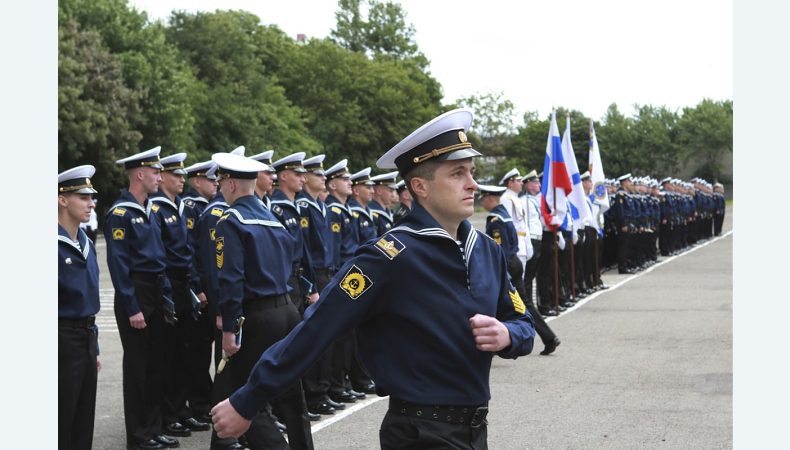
x=556, y=250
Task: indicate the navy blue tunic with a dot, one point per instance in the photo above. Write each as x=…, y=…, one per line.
x=409, y=295
x=317, y=234
x=134, y=244
x=78, y=276
x=253, y=254
x=499, y=225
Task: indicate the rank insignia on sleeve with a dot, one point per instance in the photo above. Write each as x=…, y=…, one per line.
x=497, y=237
x=355, y=283
x=119, y=211
x=304, y=222
x=518, y=305
x=335, y=210
x=118, y=234
x=390, y=246
x=212, y=233
x=190, y=223
x=220, y=252
x=277, y=210
x=336, y=227
x=216, y=212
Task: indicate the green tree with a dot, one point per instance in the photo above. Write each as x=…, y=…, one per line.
x=243, y=104
x=97, y=113
x=705, y=131
x=150, y=65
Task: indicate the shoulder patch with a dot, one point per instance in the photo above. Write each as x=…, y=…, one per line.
x=335, y=227
x=216, y=212
x=355, y=214
x=190, y=223
x=118, y=234
x=304, y=222
x=336, y=210
x=155, y=207
x=189, y=203
x=277, y=210
x=390, y=246
x=497, y=237
x=118, y=211
x=220, y=246
x=375, y=214
x=355, y=283
x=302, y=203
x=518, y=305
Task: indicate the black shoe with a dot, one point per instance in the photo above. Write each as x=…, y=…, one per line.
x=149, y=444
x=567, y=305
x=311, y=417
x=369, y=388
x=551, y=346
x=196, y=425
x=205, y=418
x=177, y=429
x=231, y=446
x=322, y=408
x=626, y=271
x=561, y=308
x=167, y=441
x=357, y=395
x=548, y=312
x=334, y=404
x=343, y=397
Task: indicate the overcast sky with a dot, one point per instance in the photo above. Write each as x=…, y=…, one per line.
x=579, y=54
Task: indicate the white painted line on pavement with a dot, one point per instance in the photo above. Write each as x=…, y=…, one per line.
x=338, y=416
x=637, y=275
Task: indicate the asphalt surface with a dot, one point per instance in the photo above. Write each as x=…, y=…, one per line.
x=644, y=364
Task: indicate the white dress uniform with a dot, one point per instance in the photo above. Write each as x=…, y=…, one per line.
x=515, y=207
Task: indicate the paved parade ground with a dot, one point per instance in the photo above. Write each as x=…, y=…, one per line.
x=644, y=364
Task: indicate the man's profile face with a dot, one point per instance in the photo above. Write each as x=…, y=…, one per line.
x=363, y=193
x=264, y=181
x=78, y=206
x=533, y=187
x=291, y=181
x=451, y=193
x=150, y=179
x=172, y=183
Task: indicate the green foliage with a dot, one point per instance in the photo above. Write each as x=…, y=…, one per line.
x=97, y=113
x=383, y=31
x=242, y=104
x=705, y=132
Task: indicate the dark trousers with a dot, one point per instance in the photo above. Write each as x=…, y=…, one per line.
x=565, y=262
x=143, y=361
x=267, y=321
x=177, y=374
x=77, y=349
x=531, y=270
x=541, y=327
x=201, y=339
x=546, y=272
x=623, y=242
x=316, y=380
x=406, y=433
x=342, y=355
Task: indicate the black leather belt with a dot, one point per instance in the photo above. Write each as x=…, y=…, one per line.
x=87, y=322
x=473, y=416
x=263, y=303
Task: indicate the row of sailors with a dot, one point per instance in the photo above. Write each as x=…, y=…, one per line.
x=648, y=216
x=161, y=244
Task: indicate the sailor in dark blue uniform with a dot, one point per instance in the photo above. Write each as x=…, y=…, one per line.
x=344, y=241
x=621, y=213
x=137, y=262
x=203, y=188
x=290, y=176
x=383, y=196
x=433, y=285
x=362, y=195
x=404, y=201
x=78, y=304
x=264, y=186
x=253, y=253
x=319, y=241
x=179, y=374
x=720, y=208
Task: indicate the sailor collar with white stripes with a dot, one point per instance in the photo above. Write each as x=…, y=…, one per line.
x=380, y=210
x=498, y=213
x=305, y=199
x=127, y=200
x=81, y=245
x=355, y=206
x=161, y=198
x=419, y=222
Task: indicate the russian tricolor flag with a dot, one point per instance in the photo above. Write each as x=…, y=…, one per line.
x=556, y=183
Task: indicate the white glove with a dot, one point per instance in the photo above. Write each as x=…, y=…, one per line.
x=561, y=242
x=530, y=252
x=575, y=236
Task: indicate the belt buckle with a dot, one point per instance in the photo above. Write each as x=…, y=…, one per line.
x=479, y=417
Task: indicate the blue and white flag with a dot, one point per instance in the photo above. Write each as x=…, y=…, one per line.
x=576, y=200
x=596, y=173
